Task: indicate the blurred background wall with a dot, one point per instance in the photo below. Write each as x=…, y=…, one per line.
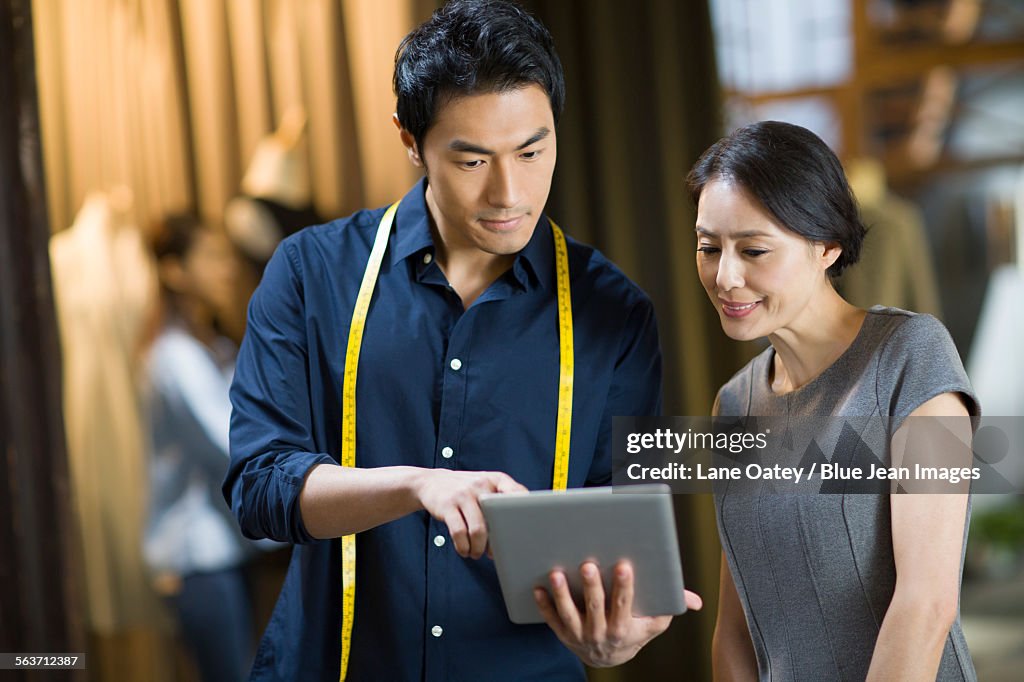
x=163, y=105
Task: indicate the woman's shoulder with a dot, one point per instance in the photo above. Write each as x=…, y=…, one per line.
x=900, y=333
x=176, y=356
x=917, y=360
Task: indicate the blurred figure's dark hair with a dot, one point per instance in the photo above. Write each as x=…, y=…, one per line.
x=794, y=175
x=472, y=47
x=175, y=235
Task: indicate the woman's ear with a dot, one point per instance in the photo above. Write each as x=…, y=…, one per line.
x=831, y=251
x=408, y=141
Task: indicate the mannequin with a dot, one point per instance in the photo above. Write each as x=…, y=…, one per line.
x=891, y=271
x=104, y=292
x=276, y=202
x=276, y=198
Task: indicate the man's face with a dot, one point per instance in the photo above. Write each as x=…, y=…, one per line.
x=489, y=160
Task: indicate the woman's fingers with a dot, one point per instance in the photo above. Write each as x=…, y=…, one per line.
x=693, y=601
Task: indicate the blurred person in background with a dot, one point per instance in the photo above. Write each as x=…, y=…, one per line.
x=192, y=544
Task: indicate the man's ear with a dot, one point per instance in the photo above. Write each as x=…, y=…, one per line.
x=408, y=141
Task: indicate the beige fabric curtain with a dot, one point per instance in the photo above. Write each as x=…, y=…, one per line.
x=171, y=97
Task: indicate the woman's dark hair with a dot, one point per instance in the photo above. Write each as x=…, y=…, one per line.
x=175, y=234
x=472, y=47
x=793, y=174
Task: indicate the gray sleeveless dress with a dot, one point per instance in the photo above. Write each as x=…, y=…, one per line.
x=815, y=573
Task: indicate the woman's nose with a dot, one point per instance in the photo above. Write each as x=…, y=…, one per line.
x=730, y=272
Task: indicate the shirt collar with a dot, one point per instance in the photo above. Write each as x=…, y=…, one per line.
x=535, y=264
x=538, y=256
x=412, y=228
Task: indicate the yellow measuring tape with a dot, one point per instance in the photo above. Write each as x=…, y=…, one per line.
x=563, y=427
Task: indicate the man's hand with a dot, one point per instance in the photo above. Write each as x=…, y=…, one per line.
x=604, y=634
x=454, y=497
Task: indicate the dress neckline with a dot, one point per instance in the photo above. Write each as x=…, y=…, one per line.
x=764, y=375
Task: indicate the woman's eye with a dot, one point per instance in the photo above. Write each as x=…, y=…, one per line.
x=754, y=253
x=710, y=250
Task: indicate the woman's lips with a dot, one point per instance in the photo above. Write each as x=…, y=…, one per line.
x=737, y=310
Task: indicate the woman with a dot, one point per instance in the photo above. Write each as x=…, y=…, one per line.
x=828, y=586
x=192, y=544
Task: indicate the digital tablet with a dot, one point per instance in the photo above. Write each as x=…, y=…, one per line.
x=532, y=533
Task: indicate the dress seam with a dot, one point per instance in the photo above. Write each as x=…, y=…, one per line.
x=817, y=595
x=739, y=575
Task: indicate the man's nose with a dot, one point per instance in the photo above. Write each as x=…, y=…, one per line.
x=503, y=186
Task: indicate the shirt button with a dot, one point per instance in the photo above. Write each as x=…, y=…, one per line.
x=447, y=452
x=439, y=540
x=456, y=364
x=437, y=631
x=427, y=258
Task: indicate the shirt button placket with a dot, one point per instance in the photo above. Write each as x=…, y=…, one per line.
x=441, y=559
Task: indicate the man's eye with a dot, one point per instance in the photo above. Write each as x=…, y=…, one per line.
x=475, y=163
x=529, y=156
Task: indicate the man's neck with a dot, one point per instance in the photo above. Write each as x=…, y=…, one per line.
x=468, y=269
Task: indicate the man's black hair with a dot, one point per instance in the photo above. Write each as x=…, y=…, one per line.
x=793, y=174
x=472, y=47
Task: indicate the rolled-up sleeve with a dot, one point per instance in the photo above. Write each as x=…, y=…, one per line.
x=272, y=446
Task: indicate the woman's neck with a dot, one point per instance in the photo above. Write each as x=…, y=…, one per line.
x=814, y=341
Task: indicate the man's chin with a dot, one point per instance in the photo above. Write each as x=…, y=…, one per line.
x=501, y=243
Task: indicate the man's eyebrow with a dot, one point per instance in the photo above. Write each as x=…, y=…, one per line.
x=535, y=138
x=470, y=148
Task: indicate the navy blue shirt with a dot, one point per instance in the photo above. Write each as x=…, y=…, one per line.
x=495, y=412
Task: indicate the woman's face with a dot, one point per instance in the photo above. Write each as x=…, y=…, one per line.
x=759, y=275
x=208, y=271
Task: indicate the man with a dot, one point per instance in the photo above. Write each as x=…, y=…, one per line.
x=459, y=371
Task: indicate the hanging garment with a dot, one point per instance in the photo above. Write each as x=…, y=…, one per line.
x=895, y=268
x=996, y=364
x=104, y=290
